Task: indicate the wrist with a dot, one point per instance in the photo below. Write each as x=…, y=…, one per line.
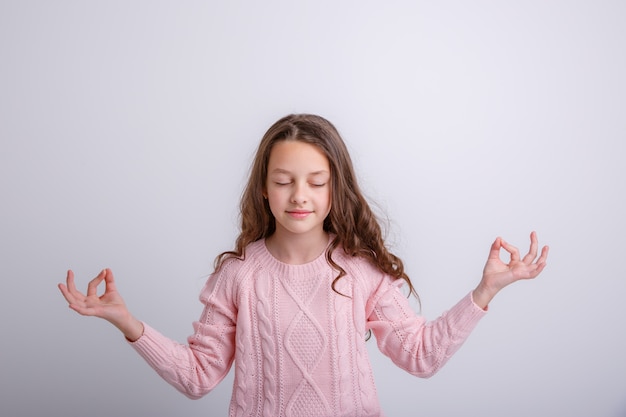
x=482, y=295
x=130, y=327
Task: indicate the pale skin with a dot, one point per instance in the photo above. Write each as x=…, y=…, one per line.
x=109, y=306
x=298, y=190
x=497, y=274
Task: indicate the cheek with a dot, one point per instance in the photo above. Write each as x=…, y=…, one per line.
x=274, y=197
x=272, y=193
x=328, y=199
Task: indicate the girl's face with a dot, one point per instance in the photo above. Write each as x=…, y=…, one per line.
x=298, y=188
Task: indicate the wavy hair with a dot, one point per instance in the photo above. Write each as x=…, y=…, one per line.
x=355, y=227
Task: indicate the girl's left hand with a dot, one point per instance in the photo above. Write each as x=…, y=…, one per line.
x=498, y=274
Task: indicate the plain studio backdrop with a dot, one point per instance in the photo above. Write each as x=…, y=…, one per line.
x=127, y=129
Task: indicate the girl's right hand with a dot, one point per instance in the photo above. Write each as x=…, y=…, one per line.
x=109, y=306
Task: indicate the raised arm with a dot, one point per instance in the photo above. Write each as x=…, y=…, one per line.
x=422, y=347
x=194, y=369
x=109, y=306
x=498, y=274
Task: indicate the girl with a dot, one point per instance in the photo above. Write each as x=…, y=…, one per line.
x=308, y=278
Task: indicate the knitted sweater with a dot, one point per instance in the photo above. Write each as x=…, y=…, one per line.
x=299, y=347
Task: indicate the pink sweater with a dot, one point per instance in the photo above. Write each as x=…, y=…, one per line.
x=299, y=348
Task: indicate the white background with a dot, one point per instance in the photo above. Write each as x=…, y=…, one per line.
x=127, y=129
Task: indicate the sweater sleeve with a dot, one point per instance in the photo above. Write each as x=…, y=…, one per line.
x=415, y=345
x=197, y=367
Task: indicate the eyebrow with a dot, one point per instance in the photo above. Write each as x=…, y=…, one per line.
x=284, y=171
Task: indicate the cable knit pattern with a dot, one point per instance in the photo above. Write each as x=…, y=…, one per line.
x=343, y=358
x=268, y=347
x=298, y=347
x=240, y=403
x=305, y=341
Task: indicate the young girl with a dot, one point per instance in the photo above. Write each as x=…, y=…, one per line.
x=309, y=277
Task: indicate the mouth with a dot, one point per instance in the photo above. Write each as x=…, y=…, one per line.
x=299, y=214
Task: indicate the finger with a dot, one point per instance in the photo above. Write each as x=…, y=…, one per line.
x=92, y=288
x=71, y=286
x=82, y=309
x=511, y=250
x=536, y=270
x=76, y=303
x=109, y=280
x=532, y=252
x=544, y=255
x=540, y=268
x=541, y=263
x=66, y=294
x=69, y=290
x=494, y=251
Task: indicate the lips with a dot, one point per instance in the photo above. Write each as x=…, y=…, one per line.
x=299, y=214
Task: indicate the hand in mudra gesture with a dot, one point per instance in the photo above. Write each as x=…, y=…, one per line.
x=109, y=306
x=497, y=274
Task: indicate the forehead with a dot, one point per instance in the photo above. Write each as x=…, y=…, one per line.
x=297, y=156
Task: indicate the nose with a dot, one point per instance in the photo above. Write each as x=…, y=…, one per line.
x=298, y=195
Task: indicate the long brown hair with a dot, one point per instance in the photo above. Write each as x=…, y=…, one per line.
x=357, y=230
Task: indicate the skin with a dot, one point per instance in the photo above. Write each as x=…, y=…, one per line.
x=298, y=191
x=498, y=274
x=109, y=306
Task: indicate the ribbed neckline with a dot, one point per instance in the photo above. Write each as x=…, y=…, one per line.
x=259, y=250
